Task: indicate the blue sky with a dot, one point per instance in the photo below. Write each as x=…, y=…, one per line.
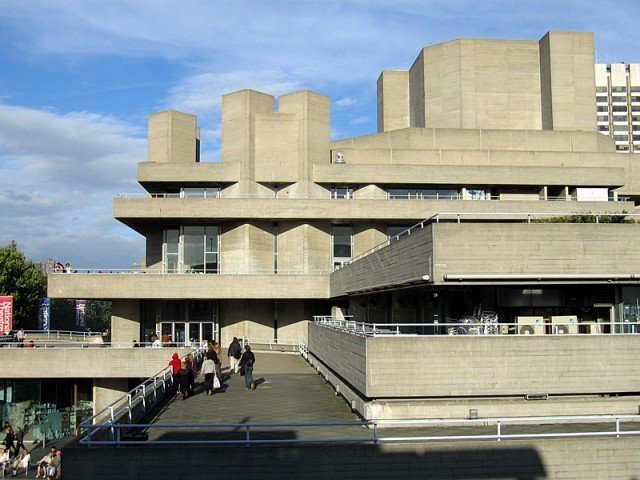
x=78, y=79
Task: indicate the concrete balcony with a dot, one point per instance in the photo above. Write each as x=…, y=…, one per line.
x=454, y=253
x=443, y=376
x=96, y=361
x=143, y=214
x=187, y=286
x=150, y=173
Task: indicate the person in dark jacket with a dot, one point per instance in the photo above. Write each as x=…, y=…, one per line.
x=8, y=439
x=184, y=378
x=234, y=352
x=246, y=363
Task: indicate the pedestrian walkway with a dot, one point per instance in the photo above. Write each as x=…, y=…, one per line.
x=288, y=390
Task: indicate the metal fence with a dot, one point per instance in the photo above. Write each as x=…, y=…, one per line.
x=372, y=432
x=478, y=328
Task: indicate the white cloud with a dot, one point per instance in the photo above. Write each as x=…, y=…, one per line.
x=58, y=176
x=346, y=102
x=359, y=120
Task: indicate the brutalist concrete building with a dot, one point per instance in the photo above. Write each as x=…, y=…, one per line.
x=489, y=149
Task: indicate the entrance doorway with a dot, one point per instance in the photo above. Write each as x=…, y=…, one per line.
x=189, y=334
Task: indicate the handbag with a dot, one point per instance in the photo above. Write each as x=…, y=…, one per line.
x=242, y=370
x=216, y=382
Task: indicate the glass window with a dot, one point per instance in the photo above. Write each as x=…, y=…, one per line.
x=619, y=108
x=603, y=108
x=434, y=193
x=172, y=250
x=342, y=235
x=619, y=99
x=193, y=249
x=341, y=192
x=601, y=89
x=618, y=89
x=201, y=192
x=603, y=118
x=620, y=118
x=474, y=194
x=212, y=246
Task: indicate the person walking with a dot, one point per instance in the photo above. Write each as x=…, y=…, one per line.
x=193, y=368
x=208, y=370
x=247, y=361
x=185, y=378
x=234, y=352
x=175, y=365
x=19, y=446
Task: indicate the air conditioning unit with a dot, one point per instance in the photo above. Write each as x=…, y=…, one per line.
x=592, y=328
x=530, y=325
x=564, y=324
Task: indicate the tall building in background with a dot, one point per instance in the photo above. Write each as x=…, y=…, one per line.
x=618, y=104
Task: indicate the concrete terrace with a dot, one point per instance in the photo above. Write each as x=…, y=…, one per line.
x=290, y=391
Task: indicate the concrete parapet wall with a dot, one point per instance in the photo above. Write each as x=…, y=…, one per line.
x=584, y=458
x=494, y=248
x=185, y=286
x=398, y=367
x=92, y=362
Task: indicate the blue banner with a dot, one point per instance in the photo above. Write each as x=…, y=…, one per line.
x=81, y=306
x=44, y=314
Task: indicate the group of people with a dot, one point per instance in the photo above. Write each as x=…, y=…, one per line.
x=186, y=371
x=14, y=456
x=49, y=466
x=59, y=268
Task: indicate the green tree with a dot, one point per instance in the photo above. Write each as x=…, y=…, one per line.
x=586, y=218
x=25, y=282
x=97, y=315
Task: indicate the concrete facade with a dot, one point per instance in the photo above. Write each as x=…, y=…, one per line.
x=493, y=131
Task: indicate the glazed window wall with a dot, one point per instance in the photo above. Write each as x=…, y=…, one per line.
x=200, y=192
x=46, y=408
x=191, y=249
x=422, y=193
x=186, y=322
x=342, y=240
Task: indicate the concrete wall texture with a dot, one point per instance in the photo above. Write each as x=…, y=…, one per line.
x=584, y=458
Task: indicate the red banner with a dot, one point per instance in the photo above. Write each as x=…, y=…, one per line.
x=6, y=314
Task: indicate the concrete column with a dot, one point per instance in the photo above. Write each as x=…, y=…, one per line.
x=125, y=321
x=108, y=390
x=567, y=81
x=393, y=100
x=173, y=137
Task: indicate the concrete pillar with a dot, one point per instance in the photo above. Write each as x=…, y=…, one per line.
x=108, y=390
x=567, y=81
x=173, y=137
x=393, y=100
x=125, y=321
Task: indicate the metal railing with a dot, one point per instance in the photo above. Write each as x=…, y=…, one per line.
x=329, y=195
x=274, y=344
x=218, y=272
x=133, y=405
x=372, y=432
x=348, y=325
x=79, y=344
